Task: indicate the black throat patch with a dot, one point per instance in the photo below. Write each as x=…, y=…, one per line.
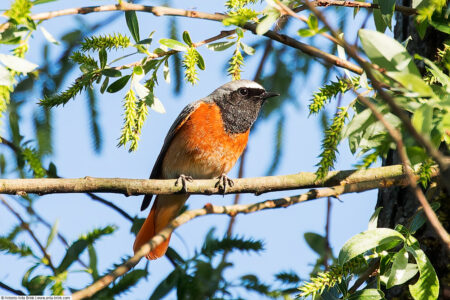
x=239, y=112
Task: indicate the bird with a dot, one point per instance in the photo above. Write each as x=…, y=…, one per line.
x=204, y=142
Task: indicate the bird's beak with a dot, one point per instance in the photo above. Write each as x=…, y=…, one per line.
x=268, y=95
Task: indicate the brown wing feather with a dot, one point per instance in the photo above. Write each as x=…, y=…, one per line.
x=179, y=121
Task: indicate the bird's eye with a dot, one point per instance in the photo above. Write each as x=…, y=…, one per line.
x=243, y=92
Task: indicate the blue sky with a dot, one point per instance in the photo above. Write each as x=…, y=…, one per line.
x=282, y=229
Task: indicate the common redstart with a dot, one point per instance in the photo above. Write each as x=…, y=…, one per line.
x=204, y=142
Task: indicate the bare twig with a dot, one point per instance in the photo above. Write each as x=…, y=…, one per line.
x=10, y=289
x=365, y=276
x=258, y=185
x=403, y=9
x=230, y=210
x=395, y=134
x=25, y=226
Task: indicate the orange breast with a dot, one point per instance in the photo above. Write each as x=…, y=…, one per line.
x=202, y=148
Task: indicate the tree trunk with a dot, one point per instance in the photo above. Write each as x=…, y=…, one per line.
x=399, y=204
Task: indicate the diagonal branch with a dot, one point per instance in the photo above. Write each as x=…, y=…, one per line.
x=10, y=289
x=25, y=225
x=168, y=11
x=394, y=175
x=325, y=3
x=230, y=210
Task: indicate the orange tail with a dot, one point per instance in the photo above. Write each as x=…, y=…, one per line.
x=164, y=210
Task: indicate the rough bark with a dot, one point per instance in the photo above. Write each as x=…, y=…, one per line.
x=399, y=203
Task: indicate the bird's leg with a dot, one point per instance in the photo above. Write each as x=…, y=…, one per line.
x=182, y=179
x=224, y=182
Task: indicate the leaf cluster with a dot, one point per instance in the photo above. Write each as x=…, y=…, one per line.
x=378, y=247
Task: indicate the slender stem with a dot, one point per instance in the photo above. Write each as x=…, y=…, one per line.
x=365, y=276
x=10, y=289
x=63, y=240
x=33, y=236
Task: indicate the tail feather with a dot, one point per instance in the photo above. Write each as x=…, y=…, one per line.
x=164, y=210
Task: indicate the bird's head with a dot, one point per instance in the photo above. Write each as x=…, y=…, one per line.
x=240, y=102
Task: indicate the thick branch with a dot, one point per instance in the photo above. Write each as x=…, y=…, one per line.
x=230, y=210
x=392, y=175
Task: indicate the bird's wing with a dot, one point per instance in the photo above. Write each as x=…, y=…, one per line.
x=179, y=121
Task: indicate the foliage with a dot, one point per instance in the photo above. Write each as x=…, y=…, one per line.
x=379, y=248
x=419, y=85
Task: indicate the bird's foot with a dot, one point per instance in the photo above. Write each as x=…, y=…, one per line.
x=182, y=179
x=224, y=182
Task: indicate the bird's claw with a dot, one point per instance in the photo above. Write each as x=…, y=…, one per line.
x=224, y=182
x=182, y=179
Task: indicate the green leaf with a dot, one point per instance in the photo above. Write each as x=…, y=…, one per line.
x=93, y=262
x=104, y=85
x=398, y=270
x=427, y=286
x=366, y=294
x=76, y=248
x=368, y=240
x=247, y=49
x=17, y=64
x=306, y=32
x=103, y=57
x=127, y=281
x=173, y=44
x=420, y=219
x=133, y=25
x=240, y=32
x=373, y=222
x=422, y=118
x=138, y=70
x=52, y=234
x=166, y=71
x=145, y=42
x=220, y=46
x=118, y=84
x=37, y=285
x=266, y=23
x=111, y=73
x=165, y=286
x=5, y=76
x=72, y=254
x=380, y=24
x=316, y=242
x=187, y=38
x=387, y=8
x=48, y=36
x=387, y=52
x=413, y=83
x=200, y=61
x=410, y=271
